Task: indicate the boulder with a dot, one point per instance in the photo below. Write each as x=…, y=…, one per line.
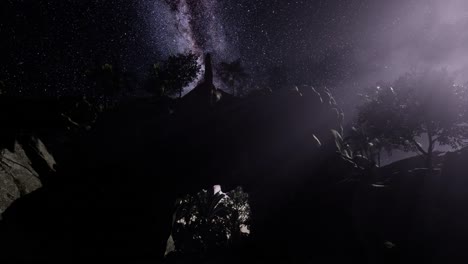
x=19, y=170
x=17, y=176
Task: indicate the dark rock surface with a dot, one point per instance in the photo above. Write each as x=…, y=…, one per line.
x=115, y=199
x=19, y=168
x=113, y=192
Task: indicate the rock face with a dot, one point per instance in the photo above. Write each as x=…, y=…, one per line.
x=117, y=198
x=18, y=175
x=268, y=144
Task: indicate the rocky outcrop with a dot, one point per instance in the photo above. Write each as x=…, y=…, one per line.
x=118, y=194
x=19, y=170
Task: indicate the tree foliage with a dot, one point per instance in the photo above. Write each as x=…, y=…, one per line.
x=205, y=222
x=417, y=105
x=233, y=75
x=174, y=74
x=106, y=79
x=365, y=145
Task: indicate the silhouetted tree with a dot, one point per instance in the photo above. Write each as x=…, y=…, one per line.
x=233, y=75
x=174, y=74
x=364, y=144
x=106, y=80
x=425, y=104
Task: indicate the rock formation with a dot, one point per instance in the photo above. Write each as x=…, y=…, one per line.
x=205, y=94
x=19, y=170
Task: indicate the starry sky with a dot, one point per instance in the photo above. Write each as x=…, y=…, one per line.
x=344, y=45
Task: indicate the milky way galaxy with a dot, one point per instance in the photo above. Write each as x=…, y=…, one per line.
x=344, y=45
x=191, y=26
x=195, y=26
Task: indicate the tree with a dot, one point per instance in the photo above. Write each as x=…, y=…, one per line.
x=106, y=79
x=233, y=75
x=418, y=105
x=208, y=222
x=364, y=144
x=174, y=74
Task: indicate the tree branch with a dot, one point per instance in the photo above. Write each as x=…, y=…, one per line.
x=418, y=146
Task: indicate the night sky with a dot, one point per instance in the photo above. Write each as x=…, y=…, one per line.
x=345, y=45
